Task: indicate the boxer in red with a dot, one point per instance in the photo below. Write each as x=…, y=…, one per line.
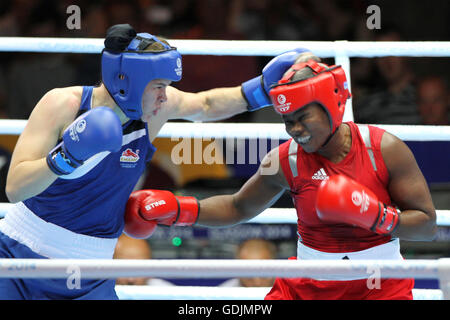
x=357, y=189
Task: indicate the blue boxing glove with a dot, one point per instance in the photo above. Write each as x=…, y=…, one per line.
x=256, y=90
x=96, y=130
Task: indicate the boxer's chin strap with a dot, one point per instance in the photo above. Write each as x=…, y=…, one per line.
x=329, y=137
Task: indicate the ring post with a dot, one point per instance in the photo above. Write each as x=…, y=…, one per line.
x=444, y=277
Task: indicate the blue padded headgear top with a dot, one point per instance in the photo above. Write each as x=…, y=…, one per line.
x=126, y=74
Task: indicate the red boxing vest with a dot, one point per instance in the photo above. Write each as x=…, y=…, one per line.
x=304, y=173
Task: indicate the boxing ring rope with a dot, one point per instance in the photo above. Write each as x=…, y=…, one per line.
x=223, y=268
x=223, y=293
x=206, y=293
x=289, y=215
x=367, y=49
x=283, y=215
x=342, y=51
x=104, y=269
x=255, y=130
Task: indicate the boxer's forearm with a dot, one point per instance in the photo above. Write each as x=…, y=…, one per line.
x=220, y=211
x=222, y=103
x=260, y=192
x=210, y=105
x=214, y=104
x=27, y=179
x=416, y=225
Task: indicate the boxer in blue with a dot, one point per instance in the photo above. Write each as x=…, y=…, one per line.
x=84, y=148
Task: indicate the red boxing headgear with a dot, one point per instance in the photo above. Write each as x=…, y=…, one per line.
x=328, y=87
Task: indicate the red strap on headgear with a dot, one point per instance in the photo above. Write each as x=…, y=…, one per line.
x=328, y=87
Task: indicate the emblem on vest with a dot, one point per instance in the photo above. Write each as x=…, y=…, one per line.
x=320, y=175
x=129, y=158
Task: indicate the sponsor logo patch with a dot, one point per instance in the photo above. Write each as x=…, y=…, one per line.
x=129, y=158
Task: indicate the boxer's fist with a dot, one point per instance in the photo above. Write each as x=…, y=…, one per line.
x=96, y=130
x=135, y=225
x=343, y=200
x=256, y=90
x=148, y=208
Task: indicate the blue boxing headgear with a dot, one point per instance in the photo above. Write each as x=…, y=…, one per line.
x=126, y=74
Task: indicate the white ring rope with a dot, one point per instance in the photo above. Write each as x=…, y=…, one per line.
x=289, y=215
x=241, y=47
x=193, y=293
x=222, y=268
x=101, y=269
x=222, y=293
x=255, y=130
x=341, y=50
x=280, y=215
x=104, y=269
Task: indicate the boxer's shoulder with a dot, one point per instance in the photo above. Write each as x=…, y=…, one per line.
x=394, y=150
x=61, y=104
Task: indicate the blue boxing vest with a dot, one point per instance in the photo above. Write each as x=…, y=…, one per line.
x=79, y=216
x=94, y=203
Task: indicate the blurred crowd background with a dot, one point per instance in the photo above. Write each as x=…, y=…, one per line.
x=385, y=90
x=388, y=90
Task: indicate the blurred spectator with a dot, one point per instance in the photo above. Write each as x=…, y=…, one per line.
x=253, y=249
x=272, y=20
x=248, y=17
x=167, y=18
x=206, y=71
x=290, y=20
x=16, y=14
x=119, y=11
x=5, y=158
x=5, y=153
x=130, y=248
x=3, y=93
x=32, y=75
x=88, y=66
x=433, y=101
x=394, y=102
x=155, y=16
x=338, y=19
x=95, y=22
x=211, y=22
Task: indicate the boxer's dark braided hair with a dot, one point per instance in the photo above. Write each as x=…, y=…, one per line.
x=119, y=36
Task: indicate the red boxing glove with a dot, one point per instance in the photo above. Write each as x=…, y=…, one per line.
x=343, y=200
x=148, y=208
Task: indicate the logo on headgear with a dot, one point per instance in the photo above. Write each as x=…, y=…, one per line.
x=281, y=99
x=282, y=105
